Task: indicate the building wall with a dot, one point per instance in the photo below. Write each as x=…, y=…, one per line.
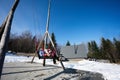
x=74, y=51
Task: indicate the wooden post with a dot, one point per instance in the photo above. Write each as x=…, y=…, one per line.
x=60, y=57
x=5, y=35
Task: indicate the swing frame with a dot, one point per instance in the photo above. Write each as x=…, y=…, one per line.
x=45, y=39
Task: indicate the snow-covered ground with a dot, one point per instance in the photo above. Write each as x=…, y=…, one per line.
x=109, y=71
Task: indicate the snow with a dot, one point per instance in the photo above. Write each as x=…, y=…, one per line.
x=108, y=70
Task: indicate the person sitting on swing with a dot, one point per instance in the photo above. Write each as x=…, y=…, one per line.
x=41, y=52
x=47, y=52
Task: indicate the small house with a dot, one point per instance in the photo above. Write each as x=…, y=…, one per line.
x=74, y=51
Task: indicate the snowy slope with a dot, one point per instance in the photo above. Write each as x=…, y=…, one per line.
x=109, y=71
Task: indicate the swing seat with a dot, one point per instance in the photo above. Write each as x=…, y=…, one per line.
x=47, y=55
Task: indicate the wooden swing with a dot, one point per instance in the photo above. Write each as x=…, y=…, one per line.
x=45, y=52
x=47, y=55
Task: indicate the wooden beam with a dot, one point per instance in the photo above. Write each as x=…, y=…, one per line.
x=5, y=35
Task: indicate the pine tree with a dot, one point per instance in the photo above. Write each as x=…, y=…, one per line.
x=89, y=50
x=68, y=43
x=108, y=49
x=93, y=50
x=117, y=46
x=102, y=48
x=54, y=42
x=111, y=50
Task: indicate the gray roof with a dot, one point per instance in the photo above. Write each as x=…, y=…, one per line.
x=74, y=51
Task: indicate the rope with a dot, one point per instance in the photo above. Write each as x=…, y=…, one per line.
x=34, y=18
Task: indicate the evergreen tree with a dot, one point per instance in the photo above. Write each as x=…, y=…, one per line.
x=111, y=51
x=93, y=50
x=108, y=49
x=102, y=48
x=89, y=50
x=54, y=41
x=68, y=43
x=117, y=46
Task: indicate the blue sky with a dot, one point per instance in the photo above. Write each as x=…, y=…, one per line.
x=77, y=21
